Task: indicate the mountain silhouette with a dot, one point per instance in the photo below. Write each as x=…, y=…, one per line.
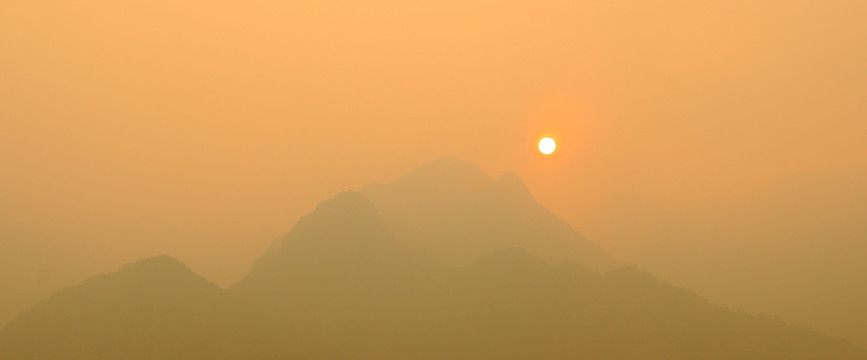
x=456, y=213
x=368, y=295
x=338, y=281
x=342, y=284
x=343, y=238
x=155, y=308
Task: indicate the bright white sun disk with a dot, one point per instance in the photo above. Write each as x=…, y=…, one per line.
x=547, y=145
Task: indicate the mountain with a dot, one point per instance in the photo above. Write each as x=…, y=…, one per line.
x=343, y=238
x=343, y=285
x=339, y=282
x=454, y=212
x=512, y=305
x=793, y=247
x=155, y=308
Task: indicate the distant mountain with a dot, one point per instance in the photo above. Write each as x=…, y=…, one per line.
x=342, y=285
x=456, y=213
x=794, y=247
x=155, y=308
x=511, y=305
x=346, y=288
x=339, y=281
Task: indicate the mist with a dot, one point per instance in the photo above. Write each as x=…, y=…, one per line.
x=718, y=146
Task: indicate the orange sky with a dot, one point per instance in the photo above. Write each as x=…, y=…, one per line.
x=205, y=129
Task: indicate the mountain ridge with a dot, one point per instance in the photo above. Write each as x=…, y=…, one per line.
x=342, y=285
x=453, y=211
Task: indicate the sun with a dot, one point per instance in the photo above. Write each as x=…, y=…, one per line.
x=547, y=145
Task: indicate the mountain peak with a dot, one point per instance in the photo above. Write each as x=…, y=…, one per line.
x=159, y=263
x=346, y=203
x=345, y=210
x=343, y=231
x=160, y=271
x=446, y=172
x=456, y=213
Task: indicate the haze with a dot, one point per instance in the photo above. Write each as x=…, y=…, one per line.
x=720, y=146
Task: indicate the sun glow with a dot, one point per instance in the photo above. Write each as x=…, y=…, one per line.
x=547, y=145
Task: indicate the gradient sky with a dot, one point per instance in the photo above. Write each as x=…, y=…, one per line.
x=205, y=129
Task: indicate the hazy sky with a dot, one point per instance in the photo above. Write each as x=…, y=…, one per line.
x=204, y=129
